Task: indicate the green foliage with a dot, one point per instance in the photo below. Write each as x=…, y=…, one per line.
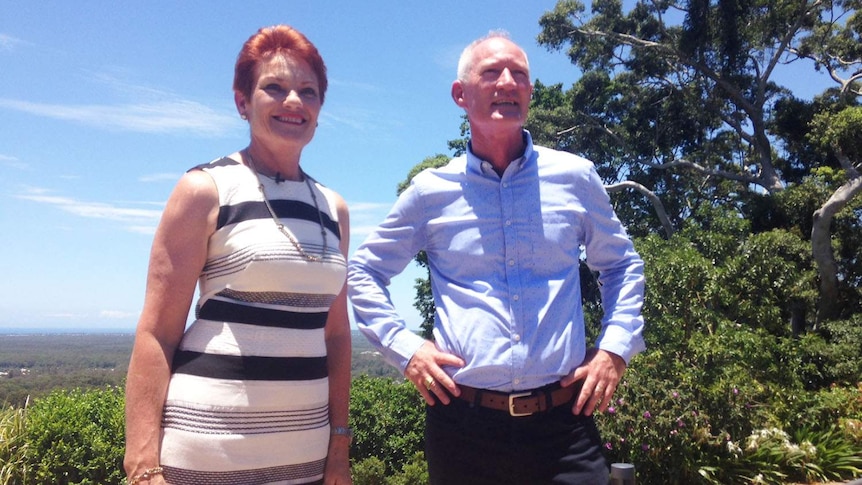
x=14, y=468
x=372, y=471
x=368, y=471
x=721, y=364
x=843, y=345
x=76, y=437
x=388, y=417
x=430, y=162
x=679, y=425
x=839, y=131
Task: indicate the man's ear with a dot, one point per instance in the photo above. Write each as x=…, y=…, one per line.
x=458, y=94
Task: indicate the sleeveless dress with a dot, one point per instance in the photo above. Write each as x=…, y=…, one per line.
x=248, y=399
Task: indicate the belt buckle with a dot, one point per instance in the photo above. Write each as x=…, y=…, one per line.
x=512, y=398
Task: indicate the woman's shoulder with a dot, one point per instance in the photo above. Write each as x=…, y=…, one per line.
x=229, y=162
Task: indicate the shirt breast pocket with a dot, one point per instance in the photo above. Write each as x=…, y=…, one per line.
x=557, y=237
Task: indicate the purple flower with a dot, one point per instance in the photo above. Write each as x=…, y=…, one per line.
x=735, y=391
x=609, y=446
x=675, y=394
x=680, y=423
x=645, y=447
x=647, y=415
x=612, y=410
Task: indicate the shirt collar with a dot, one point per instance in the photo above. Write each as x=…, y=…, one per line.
x=485, y=168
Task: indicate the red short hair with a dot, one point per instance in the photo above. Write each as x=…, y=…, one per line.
x=269, y=41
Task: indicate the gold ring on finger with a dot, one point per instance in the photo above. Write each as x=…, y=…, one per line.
x=429, y=382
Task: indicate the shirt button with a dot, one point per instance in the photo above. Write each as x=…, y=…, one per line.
x=516, y=337
x=516, y=381
x=508, y=222
x=516, y=297
x=511, y=262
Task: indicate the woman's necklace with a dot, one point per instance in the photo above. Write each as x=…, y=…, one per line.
x=279, y=225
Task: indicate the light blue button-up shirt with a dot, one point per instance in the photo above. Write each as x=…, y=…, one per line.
x=503, y=254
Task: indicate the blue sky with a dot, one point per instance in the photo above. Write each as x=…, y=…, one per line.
x=103, y=105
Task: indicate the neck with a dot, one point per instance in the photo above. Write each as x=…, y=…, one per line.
x=498, y=148
x=266, y=164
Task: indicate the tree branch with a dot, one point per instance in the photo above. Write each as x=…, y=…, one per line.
x=654, y=199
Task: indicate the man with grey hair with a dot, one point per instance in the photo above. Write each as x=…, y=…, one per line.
x=509, y=381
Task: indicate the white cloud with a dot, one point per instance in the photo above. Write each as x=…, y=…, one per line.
x=8, y=43
x=141, y=221
x=117, y=314
x=174, y=116
x=368, y=207
x=12, y=162
x=364, y=218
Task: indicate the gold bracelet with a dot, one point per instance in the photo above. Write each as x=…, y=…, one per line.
x=148, y=473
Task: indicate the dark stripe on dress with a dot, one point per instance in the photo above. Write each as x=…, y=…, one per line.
x=178, y=476
x=221, y=162
x=249, y=367
x=213, y=421
x=225, y=311
x=303, y=300
x=284, y=209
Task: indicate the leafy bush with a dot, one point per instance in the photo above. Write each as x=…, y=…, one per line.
x=76, y=437
x=372, y=471
x=388, y=417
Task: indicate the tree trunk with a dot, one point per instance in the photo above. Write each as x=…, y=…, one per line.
x=821, y=247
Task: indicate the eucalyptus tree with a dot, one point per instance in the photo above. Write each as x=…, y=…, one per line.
x=683, y=100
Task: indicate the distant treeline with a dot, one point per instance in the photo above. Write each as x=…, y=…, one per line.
x=34, y=365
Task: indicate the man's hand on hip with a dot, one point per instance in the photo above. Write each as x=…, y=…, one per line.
x=601, y=372
x=425, y=371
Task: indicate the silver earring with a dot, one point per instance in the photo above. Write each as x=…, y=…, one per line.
x=243, y=116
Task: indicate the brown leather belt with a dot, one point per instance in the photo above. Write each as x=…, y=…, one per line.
x=519, y=403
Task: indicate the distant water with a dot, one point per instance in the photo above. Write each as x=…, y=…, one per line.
x=64, y=331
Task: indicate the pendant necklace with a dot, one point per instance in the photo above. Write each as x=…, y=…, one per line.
x=279, y=225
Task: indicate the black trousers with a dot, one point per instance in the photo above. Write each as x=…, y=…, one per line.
x=467, y=445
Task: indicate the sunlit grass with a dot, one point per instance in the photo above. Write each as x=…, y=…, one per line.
x=13, y=444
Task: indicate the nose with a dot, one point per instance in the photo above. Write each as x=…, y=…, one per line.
x=506, y=77
x=292, y=97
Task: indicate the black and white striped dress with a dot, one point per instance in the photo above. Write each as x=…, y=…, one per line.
x=248, y=397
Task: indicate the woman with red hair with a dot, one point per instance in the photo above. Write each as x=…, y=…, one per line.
x=256, y=389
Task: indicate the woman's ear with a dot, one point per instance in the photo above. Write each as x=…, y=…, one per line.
x=239, y=100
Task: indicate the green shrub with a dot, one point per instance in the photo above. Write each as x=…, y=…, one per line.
x=368, y=471
x=372, y=471
x=388, y=417
x=77, y=437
